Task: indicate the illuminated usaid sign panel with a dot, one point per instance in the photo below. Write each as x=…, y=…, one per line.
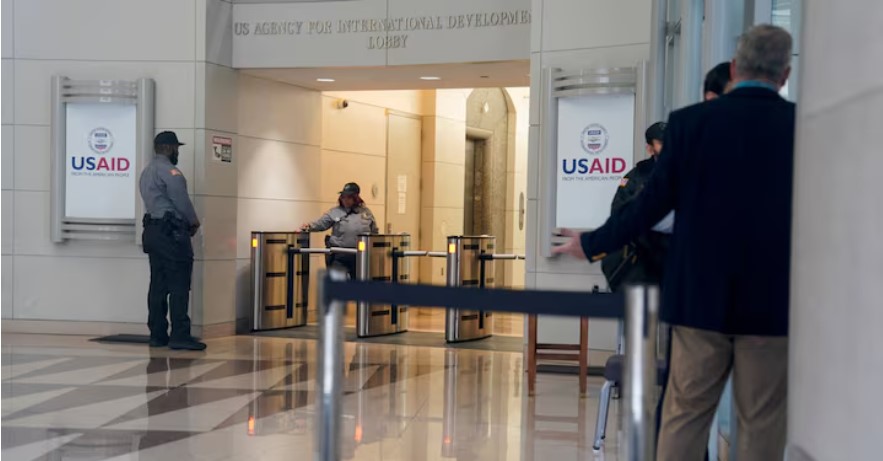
x=595, y=150
x=101, y=149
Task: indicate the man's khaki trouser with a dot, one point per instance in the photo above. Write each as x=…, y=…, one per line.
x=701, y=361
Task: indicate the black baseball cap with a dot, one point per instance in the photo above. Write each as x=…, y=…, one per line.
x=167, y=138
x=656, y=131
x=350, y=188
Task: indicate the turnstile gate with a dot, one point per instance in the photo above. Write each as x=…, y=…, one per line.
x=383, y=258
x=470, y=263
x=279, y=283
x=467, y=267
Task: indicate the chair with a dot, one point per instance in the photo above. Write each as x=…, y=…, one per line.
x=540, y=351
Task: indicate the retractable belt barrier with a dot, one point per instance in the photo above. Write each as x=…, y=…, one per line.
x=639, y=306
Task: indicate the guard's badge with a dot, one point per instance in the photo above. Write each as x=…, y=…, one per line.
x=175, y=172
x=623, y=182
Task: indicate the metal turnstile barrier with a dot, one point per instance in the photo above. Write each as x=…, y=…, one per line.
x=470, y=264
x=467, y=269
x=383, y=258
x=280, y=286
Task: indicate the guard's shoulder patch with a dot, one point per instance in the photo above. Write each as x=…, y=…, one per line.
x=623, y=182
x=175, y=172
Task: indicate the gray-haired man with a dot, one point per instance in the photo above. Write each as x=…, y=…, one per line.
x=726, y=167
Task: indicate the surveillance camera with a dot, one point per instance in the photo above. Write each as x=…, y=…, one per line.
x=343, y=104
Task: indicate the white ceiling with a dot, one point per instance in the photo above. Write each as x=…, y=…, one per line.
x=460, y=75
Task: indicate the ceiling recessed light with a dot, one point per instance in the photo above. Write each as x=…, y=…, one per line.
x=429, y=77
x=325, y=80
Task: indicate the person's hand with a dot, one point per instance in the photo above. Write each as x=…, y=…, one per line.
x=573, y=247
x=305, y=227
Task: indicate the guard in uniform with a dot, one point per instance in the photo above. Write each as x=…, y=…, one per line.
x=347, y=221
x=640, y=261
x=169, y=223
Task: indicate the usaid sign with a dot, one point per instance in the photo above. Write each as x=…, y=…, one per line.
x=100, y=161
x=595, y=150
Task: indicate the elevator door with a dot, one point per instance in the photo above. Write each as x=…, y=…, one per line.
x=473, y=194
x=403, y=165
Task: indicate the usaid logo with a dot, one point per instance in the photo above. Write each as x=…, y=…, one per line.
x=100, y=140
x=594, y=138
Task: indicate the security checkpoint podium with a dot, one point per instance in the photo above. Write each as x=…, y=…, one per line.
x=383, y=258
x=279, y=283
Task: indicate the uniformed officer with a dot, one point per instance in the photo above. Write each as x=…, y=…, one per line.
x=640, y=261
x=717, y=81
x=347, y=221
x=169, y=223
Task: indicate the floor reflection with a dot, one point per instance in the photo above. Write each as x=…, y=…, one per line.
x=254, y=398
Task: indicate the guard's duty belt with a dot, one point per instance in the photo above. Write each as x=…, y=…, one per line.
x=169, y=219
x=148, y=221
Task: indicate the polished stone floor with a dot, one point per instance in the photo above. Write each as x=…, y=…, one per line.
x=433, y=320
x=252, y=398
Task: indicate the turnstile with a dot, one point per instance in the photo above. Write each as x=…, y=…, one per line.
x=467, y=267
x=383, y=258
x=279, y=282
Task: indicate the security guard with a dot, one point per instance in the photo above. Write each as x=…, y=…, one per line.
x=640, y=261
x=347, y=221
x=169, y=223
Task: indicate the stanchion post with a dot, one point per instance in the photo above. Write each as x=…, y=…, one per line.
x=330, y=374
x=641, y=321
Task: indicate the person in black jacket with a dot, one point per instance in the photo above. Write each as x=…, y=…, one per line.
x=726, y=169
x=641, y=260
x=717, y=81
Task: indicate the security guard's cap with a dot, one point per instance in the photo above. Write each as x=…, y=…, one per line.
x=350, y=188
x=656, y=131
x=167, y=138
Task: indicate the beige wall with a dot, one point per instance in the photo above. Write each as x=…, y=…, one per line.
x=292, y=151
x=279, y=164
x=80, y=283
x=354, y=150
x=417, y=102
x=516, y=181
x=574, y=34
x=444, y=150
x=835, y=364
